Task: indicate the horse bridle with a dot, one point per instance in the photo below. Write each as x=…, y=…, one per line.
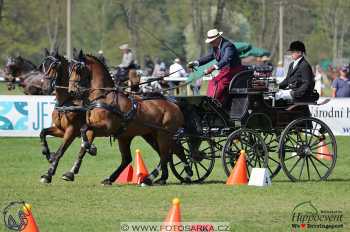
x=54, y=62
x=79, y=66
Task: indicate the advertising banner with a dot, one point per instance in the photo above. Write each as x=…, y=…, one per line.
x=25, y=115
x=28, y=115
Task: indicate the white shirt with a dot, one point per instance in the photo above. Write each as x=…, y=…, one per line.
x=296, y=62
x=176, y=67
x=127, y=59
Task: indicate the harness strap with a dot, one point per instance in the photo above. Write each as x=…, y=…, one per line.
x=127, y=116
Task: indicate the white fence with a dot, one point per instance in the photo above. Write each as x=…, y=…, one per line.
x=28, y=115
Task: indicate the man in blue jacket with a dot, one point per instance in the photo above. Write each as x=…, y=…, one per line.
x=229, y=63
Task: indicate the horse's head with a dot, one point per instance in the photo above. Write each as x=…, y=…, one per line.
x=55, y=69
x=79, y=76
x=15, y=67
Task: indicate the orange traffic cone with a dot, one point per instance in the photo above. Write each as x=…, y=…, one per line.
x=323, y=152
x=31, y=225
x=173, y=219
x=141, y=171
x=238, y=174
x=126, y=176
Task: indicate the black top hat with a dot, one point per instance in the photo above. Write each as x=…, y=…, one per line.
x=297, y=46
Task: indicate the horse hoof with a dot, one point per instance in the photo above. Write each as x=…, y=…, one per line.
x=146, y=182
x=46, y=179
x=92, y=150
x=160, y=182
x=106, y=182
x=189, y=171
x=68, y=176
x=187, y=180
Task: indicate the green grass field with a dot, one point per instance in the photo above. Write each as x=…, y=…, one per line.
x=85, y=205
x=4, y=91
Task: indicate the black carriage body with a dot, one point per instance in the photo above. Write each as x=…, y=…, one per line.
x=252, y=102
x=204, y=117
x=272, y=136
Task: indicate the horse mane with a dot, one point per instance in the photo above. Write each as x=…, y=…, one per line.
x=105, y=68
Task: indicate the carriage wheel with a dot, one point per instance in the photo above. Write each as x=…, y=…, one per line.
x=200, y=155
x=308, y=150
x=271, y=141
x=252, y=143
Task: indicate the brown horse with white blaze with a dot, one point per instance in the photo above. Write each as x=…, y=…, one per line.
x=114, y=113
x=67, y=118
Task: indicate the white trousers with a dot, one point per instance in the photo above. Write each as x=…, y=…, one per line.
x=284, y=94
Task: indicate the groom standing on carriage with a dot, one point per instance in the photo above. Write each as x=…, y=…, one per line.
x=228, y=62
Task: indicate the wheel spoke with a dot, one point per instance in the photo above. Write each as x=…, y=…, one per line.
x=322, y=145
x=203, y=166
x=293, y=156
x=301, y=169
x=177, y=163
x=195, y=165
x=319, y=161
x=295, y=164
x=182, y=171
x=307, y=168
x=313, y=164
x=273, y=160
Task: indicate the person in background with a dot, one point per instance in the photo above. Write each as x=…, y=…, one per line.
x=318, y=79
x=176, y=71
x=149, y=65
x=128, y=59
x=228, y=62
x=341, y=85
x=128, y=62
x=279, y=70
x=156, y=70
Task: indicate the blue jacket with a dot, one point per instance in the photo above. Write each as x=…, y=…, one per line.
x=228, y=55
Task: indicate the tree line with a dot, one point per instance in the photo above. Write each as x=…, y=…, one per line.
x=172, y=28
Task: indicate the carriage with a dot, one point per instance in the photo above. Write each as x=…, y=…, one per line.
x=275, y=135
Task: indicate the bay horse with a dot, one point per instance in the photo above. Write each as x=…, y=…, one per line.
x=67, y=117
x=24, y=70
x=114, y=113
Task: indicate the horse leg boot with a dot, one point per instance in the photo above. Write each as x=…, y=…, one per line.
x=124, y=147
x=67, y=140
x=54, y=131
x=90, y=148
x=69, y=176
x=164, y=166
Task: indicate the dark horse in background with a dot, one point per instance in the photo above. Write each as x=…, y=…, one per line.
x=67, y=117
x=29, y=77
x=114, y=113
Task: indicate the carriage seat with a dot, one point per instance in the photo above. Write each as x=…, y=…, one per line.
x=237, y=100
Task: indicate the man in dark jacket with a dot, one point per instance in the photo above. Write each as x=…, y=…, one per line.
x=300, y=80
x=229, y=63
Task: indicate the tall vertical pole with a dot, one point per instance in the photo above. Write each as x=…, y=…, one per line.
x=69, y=38
x=281, y=33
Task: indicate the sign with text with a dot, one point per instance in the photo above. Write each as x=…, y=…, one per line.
x=336, y=114
x=25, y=115
x=28, y=115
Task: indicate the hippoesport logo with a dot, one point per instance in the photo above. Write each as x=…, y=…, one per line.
x=14, y=216
x=13, y=115
x=306, y=216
